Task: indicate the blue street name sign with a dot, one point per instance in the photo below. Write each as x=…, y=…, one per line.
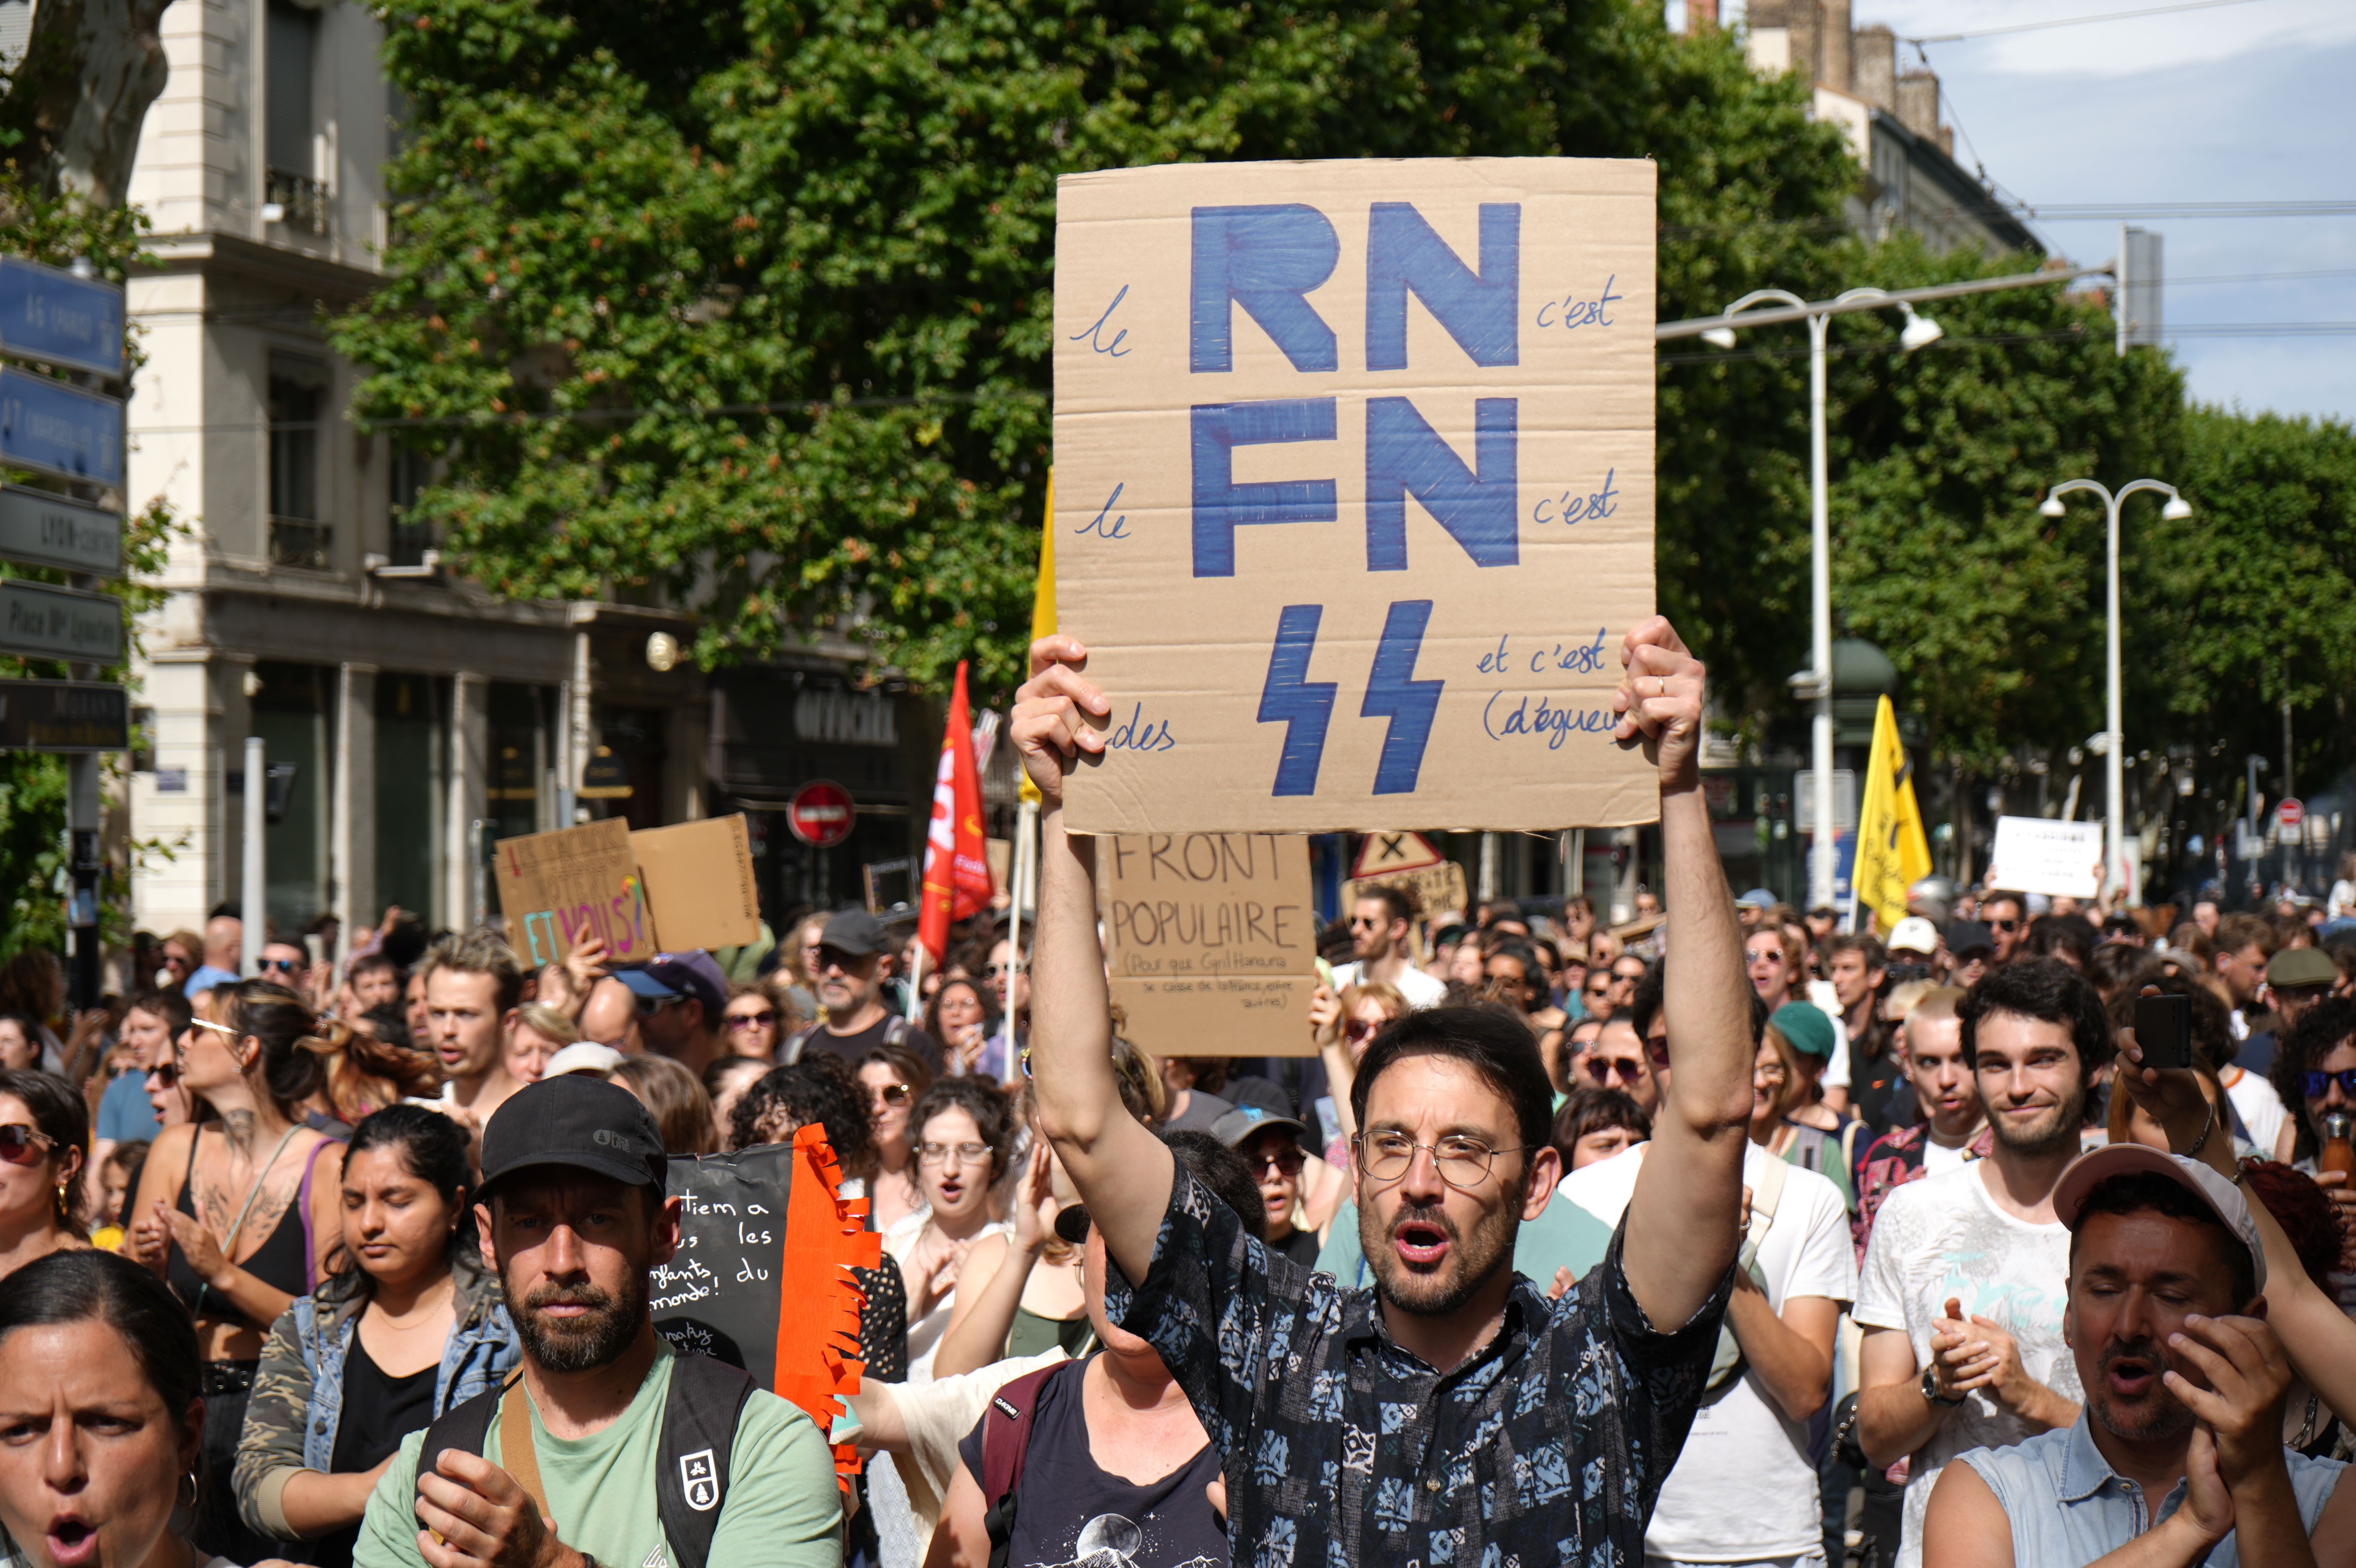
x=50, y=314
x=47, y=425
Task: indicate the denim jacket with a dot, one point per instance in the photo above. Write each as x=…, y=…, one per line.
x=298, y=1389
x=2067, y=1505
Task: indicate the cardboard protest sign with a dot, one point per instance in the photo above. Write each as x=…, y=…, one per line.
x=1353, y=490
x=1213, y=941
x=699, y=882
x=1437, y=889
x=2037, y=855
x=556, y=887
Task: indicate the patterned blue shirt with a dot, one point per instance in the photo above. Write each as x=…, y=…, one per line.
x=1345, y=1451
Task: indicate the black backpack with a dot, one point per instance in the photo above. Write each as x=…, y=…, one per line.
x=1005, y=1445
x=698, y=1429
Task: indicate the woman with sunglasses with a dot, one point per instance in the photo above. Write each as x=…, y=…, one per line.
x=965, y=1135
x=240, y=1220
x=44, y=1128
x=751, y=1025
x=167, y=1095
x=893, y=1079
x=1344, y=1026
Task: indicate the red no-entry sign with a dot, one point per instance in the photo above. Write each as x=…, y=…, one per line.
x=2290, y=813
x=822, y=814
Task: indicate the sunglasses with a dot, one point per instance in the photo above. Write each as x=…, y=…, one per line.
x=1599, y=985
x=2004, y=926
x=1288, y=1161
x=1601, y=1068
x=992, y=971
x=752, y=1020
x=167, y=1074
x=2315, y=1086
x=1359, y=1028
x=21, y=1144
x=890, y=1094
x=284, y=965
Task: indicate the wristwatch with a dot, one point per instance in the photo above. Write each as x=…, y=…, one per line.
x=1931, y=1389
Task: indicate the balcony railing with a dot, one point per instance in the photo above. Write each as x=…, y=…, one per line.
x=298, y=541
x=295, y=200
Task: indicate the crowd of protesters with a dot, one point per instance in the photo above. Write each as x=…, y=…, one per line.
x=1715, y=1234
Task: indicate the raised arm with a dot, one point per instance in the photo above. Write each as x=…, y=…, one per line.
x=1124, y=1172
x=1681, y=1223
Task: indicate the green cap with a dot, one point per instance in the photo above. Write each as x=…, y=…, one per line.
x=2302, y=966
x=1807, y=1026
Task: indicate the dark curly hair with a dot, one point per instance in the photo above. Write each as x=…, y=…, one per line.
x=2320, y=1031
x=2050, y=991
x=819, y=1089
x=991, y=1111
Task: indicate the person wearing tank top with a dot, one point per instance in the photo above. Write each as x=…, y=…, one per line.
x=240, y=1215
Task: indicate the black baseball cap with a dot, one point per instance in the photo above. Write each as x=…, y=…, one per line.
x=1969, y=936
x=579, y=1121
x=855, y=931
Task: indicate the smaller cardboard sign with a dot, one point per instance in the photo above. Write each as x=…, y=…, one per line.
x=699, y=882
x=2037, y=855
x=1438, y=889
x=1213, y=941
x=1383, y=853
x=557, y=887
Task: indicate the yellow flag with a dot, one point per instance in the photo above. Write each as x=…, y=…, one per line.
x=1891, y=851
x=1043, y=602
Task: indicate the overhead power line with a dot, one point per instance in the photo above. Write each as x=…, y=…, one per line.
x=2076, y=21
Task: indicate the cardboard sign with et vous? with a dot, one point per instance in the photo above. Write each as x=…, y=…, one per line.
x=662, y=890
x=1212, y=941
x=1354, y=489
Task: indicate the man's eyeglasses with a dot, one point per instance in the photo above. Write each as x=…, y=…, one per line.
x=21, y=1144
x=1599, y=985
x=1360, y=921
x=836, y=958
x=1462, y=1163
x=941, y=1154
x=752, y=1020
x=992, y=971
x=890, y=1095
x=649, y=1005
x=2004, y=926
x=284, y=965
x=2315, y=1086
x=1603, y=1068
x=1289, y=1161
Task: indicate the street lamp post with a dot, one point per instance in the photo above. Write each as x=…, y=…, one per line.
x=1816, y=681
x=2115, y=736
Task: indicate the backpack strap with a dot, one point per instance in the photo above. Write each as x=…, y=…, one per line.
x=462, y=1427
x=790, y=1050
x=1005, y=1445
x=698, y=1432
x=895, y=1030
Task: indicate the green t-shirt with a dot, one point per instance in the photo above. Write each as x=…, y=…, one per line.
x=783, y=1509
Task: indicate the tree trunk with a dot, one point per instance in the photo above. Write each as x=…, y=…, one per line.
x=90, y=69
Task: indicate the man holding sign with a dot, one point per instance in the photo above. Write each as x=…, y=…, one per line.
x=1452, y=1414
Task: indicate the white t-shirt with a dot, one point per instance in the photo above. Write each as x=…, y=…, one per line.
x=1421, y=990
x=1943, y=1236
x=1743, y=1488
x=2261, y=1107
x=1938, y=1158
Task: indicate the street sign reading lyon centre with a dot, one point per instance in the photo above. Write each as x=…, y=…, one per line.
x=43, y=529
x=50, y=314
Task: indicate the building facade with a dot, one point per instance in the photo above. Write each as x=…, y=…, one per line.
x=410, y=719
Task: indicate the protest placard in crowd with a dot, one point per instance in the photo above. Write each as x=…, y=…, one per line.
x=1354, y=496
x=699, y=881
x=1212, y=938
x=2038, y=854
x=665, y=888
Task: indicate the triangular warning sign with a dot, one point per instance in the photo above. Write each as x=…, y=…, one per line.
x=1384, y=853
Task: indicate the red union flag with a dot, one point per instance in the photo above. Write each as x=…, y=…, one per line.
x=957, y=858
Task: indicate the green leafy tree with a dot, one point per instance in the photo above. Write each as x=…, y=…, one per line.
x=748, y=305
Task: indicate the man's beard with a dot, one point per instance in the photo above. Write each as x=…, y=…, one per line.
x=2055, y=1134
x=596, y=1339
x=1469, y=1264
x=2154, y=1418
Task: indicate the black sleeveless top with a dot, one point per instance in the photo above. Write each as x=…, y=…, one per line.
x=279, y=1263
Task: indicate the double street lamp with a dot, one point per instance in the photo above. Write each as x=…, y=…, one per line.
x=1816, y=681
x=2114, y=737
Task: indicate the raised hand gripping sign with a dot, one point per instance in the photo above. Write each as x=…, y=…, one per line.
x=1354, y=492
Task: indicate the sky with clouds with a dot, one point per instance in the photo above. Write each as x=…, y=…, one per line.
x=2247, y=102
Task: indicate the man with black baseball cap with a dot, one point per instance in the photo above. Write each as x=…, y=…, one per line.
x=854, y=959
x=607, y=1447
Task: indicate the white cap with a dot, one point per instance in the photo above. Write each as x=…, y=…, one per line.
x=2091, y=1169
x=1914, y=934
x=583, y=1056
